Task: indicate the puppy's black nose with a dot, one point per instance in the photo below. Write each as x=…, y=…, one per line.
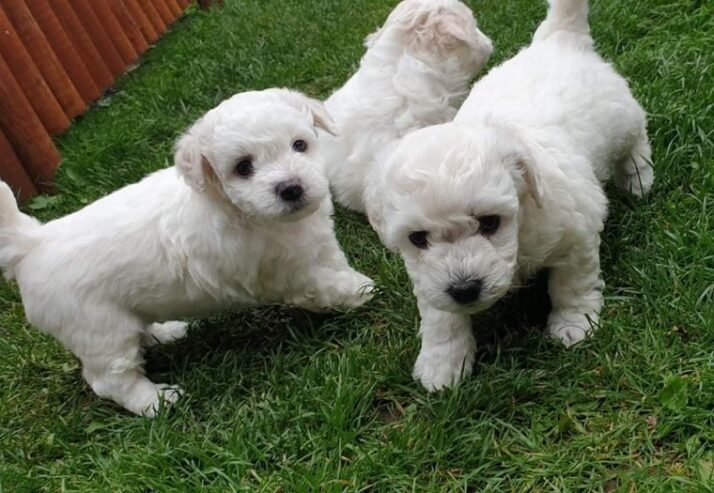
x=465, y=292
x=289, y=191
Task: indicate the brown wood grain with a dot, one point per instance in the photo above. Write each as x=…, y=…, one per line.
x=164, y=11
x=114, y=31
x=30, y=78
x=25, y=131
x=141, y=19
x=98, y=36
x=44, y=57
x=175, y=8
x=63, y=48
x=153, y=14
x=12, y=172
x=130, y=25
x=82, y=43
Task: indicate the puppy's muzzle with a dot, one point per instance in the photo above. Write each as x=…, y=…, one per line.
x=465, y=292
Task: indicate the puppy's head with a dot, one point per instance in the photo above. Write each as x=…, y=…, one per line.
x=448, y=200
x=259, y=151
x=440, y=33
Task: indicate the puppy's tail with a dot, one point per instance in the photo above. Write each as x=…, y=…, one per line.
x=18, y=232
x=568, y=17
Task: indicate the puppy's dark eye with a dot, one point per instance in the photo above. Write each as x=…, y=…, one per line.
x=419, y=239
x=487, y=225
x=244, y=167
x=299, y=146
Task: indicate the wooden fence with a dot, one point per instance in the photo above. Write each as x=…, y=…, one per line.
x=56, y=57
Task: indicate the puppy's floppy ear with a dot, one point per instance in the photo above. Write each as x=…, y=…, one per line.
x=374, y=198
x=452, y=27
x=374, y=204
x=320, y=117
x=442, y=27
x=316, y=110
x=525, y=162
x=189, y=161
x=532, y=178
x=523, y=155
x=447, y=28
x=481, y=46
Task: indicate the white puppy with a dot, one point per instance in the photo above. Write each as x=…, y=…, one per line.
x=416, y=72
x=512, y=186
x=243, y=219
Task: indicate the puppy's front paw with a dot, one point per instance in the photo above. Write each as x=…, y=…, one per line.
x=638, y=184
x=436, y=371
x=148, y=405
x=164, y=333
x=361, y=292
x=568, y=327
x=352, y=289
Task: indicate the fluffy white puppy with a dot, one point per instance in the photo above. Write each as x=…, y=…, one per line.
x=243, y=219
x=512, y=186
x=416, y=72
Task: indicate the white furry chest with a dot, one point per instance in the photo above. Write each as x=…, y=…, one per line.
x=256, y=266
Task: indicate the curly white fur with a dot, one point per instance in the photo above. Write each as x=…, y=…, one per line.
x=415, y=73
x=531, y=145
x=110, y=278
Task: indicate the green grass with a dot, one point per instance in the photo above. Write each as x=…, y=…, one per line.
x=282, y=400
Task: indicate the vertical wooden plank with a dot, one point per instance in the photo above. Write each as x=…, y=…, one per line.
x=44, y=57
x=63, y=48
x=82, y=43
x=30, y=79
x=25, y=131
x=113, y=29
x=99, y=37
x=175, y=8
x=184, y=3
x=153, y=15
x=12, y=172
x=142, y=20
x=166, y=16
x=130, y=26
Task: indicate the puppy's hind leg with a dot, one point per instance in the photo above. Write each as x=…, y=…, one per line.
x=164, y=333
x=575, y=288
x=635, y=173
x=113, y=367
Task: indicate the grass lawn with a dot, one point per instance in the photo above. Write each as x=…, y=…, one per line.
x=283, y=400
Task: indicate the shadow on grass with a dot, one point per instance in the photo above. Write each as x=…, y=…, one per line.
x=251, y=334
x=513, y=319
